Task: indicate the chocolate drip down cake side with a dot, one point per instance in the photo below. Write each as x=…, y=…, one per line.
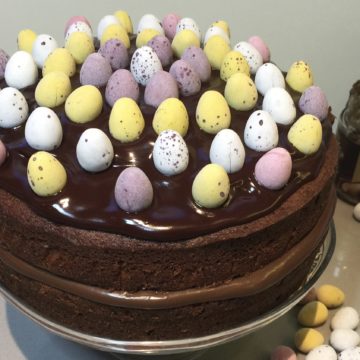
x=162, y=185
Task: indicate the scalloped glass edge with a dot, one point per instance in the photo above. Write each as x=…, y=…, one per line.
x=168, y=347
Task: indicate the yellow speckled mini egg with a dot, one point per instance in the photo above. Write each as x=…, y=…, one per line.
x=26, y=39
x=307, y=339
x=60, y=60
x=331, y=296
x=46, y=175
x=313, y=314
x=126, y=121
x=184, y=39
x=211, y=186
x=212, y=112
x=171, y=114
x=124, y=20
x=216, y=49
x=84, y=104
x=306, y=134
x=299, y=76
x=80, y=46
x=222, y=24
x=144, y=36
x=233, y=63
x=115, y=31
x=53, y=89
x=240, y=92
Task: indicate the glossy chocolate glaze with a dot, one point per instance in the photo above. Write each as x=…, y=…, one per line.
x=87, y=201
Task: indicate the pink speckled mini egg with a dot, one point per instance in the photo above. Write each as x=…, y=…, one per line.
x=283, y=353
x=96, y=71
x=162, y=46
x=313, y=101
x=3, y=153
x=75, y=19
x=186, y=77
x=260, y=45
x=169, y=24
x=196, y=57
x=116, y=53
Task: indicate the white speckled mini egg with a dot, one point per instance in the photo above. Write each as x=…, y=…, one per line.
x=252, y=56
x=267, y=77
x=94, y=150
x=21, y=70
x=43, y=130
x=188, y=24
x=342, y=339
x=227, y=150
x=261, y=132
x=104, y=22
x=350, y=354
x=278, y=102
x=14, y=109
x=322, y=352
x=170, y=153
x=215, y=30
x=150, y=21
x=345, y=318
x=144, y=64
x=79, y=26
x=43, y=45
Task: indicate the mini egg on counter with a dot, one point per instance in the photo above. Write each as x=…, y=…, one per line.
x=3, y=152
x=251, y=54
x=186, y=77
x=343, y=339
x=161, y=86
x=116, y=54
x=299, y=77
x=313, y=314
x=124, y=20
x=188, y=24
x=96, y=70
x=104, y=23
x=228, y=151
x=80, y=46
x=121, y=84
x=182, y=40
x=350, y=354
x=78, y=26
x=258, y=43
x=196, y=57
x=43, y=130
x=21, y=70
x=233, y=63
x=330, y=295
x=171, y=114
x=216, y=49
x=60, y=60
x=215, y=30
x=84, y=104
x=145, y=36
x=313, y=101
x=43, y=46
x=345, y=318
x=169, y=24
x=211, y=186
x=310, y=296
x=144, y=64
x=306, y=134
x=133, y=190
x=126, y=122
x=162, y=46
x=261, y=132
x=356, y=212
x=25, y=40
x=14, y=108
x=267, y=77
x=322, y=352
x=76, y=19
x=212, y=112
x=46, y=175
x=94, y=150
x=307, y=339
x=4, y=58
x=149, y=21
x=283, y=352
x=170, y=153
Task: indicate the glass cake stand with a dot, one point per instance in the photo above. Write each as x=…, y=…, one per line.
x=190, y=348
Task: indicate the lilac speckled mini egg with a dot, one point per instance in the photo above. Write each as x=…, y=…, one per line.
x=196, y=57
x=162, y=46
x=121, y=84
x=4, y=57
x=96, y=71
x=116, y=53
x=169, y=24
x=186, y=77
x=313, y=101
x=161, y=86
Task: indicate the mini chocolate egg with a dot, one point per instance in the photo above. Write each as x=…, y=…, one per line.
x=171, y=115
x=96, y=70
x=228, y=151
x=313, y=314
x=306, y=134
x=261, y=132
x=133, y=190
x=212, y=112
x=350, y=354
x=299, y=77
x=215, y=30
x=121, y=84
x=342, y=339
x=188, y=24
x=14, y=109
x=80, y=46
x=223, y=25
x=126, y=122
x=322, y=352
x=53, y=89
x=144, y=64
x=76, y=19
x=187, y=78
x=251, y=54
x=278, y=102
x=182, y=40
x=46, y=175
x=78, y=26
x=273, y=169
x=161, y=86
x=105, y=22
x=307, y=339
x=169, y=24
x=150, y=21
x=43, y=130
x=162, y=46
x=21, y=70
x=240, y=92
x=145, y=36
x=4, y=58
x=3, y=152
x=60, y=60
x=84, y=104
x=43, y=46
x=356, y=212
x=283, y=352
x=94, y=150
x=313, y=101
x=196, y=57
x=331, y=296
x=258, y=43
x=345, y=318
x=170, y=153
x=211, y=186
x=116, y=53
x=267, y=77
x=25, y=40
x=216, y=49
x=124, y=20
x=233, y=63
x=117, y=32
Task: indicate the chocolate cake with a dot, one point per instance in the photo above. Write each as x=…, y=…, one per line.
x=175, y=268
